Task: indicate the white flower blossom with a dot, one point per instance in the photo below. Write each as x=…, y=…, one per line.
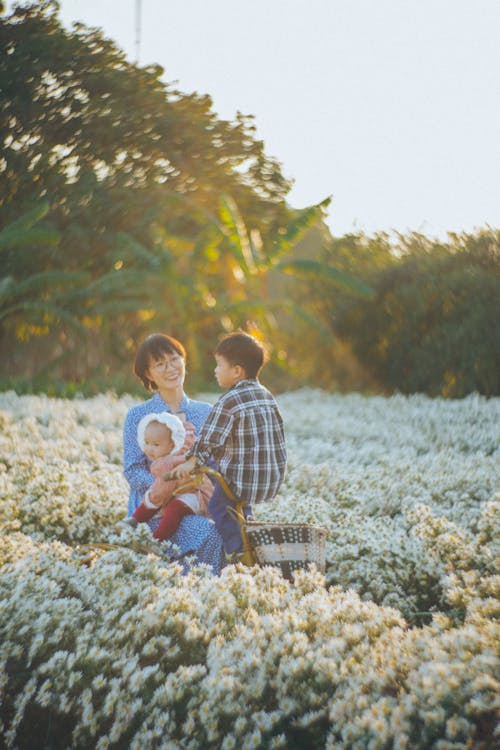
x=395, y=646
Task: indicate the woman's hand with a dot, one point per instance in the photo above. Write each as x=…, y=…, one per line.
x=190, y=438
x=164, y=465
x=184, y=470
x=161, y=492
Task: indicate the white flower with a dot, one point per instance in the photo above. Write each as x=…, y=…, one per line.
x=118, y=638
x=228, y=743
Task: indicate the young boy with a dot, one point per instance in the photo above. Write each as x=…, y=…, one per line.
x=243, y=433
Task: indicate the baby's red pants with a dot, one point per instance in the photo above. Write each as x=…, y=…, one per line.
x=173, y=514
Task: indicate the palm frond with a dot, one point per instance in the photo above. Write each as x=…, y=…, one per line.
x=319, y=270
x=237, y=234
x=134, y=250
x=20, y=233
x=46, y=309
x=258, y=308
x=8, y=287
x=311, y=320
x=125, y=282
x=50, y=279
x=29, y=219
x=117, y=306
x=27, y=238
x=295, y=229
x=255, y=240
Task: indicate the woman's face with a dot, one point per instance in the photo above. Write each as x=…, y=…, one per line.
x=167, y=372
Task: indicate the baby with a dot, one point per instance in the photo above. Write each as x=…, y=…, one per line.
x=163, y=437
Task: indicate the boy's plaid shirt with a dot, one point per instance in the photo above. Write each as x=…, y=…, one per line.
x=244, y=434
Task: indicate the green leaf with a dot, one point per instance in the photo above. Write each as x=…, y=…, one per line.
x=255, y=241
x=44, y=308
x=237, y=233
x=305, y=267
x=121, y=282
x=115, y=306
x=29, y=219
x=7, y=286
x=258, y=308
x=300, y=223
x=50, y=279
x=28, y=238
x=131, y=248
x=310, y=319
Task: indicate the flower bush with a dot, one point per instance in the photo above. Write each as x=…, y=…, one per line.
x=105, y=644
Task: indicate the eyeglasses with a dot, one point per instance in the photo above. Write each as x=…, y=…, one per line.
x=164, y=364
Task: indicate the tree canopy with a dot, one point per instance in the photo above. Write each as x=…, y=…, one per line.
x=135, y=173
x=432, y=324
x=128, y=206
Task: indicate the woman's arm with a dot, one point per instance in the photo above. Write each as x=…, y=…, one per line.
x=162, y=490
x=135, y=464
x=164, y=465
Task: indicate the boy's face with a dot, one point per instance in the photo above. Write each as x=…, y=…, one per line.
x=227, y=374
x=157, y=441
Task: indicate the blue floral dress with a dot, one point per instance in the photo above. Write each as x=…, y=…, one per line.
x=196, y=536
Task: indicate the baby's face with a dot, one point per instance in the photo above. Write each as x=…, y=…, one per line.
x=157, y=441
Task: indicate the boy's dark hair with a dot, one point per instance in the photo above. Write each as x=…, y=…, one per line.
x=242, y=349
x=152, y=349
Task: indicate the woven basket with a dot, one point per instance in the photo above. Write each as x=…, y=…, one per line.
x=287, y=546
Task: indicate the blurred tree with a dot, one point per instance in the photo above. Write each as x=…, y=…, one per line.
x=33, y=302
x=254, y=292
x=433, y=325
x=227, y=277
x=92, y=132
x=130, y=167
x=318, y=286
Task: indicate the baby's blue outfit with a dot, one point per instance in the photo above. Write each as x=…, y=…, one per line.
x=195, y=534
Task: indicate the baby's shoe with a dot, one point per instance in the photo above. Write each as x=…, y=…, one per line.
x=127, y=523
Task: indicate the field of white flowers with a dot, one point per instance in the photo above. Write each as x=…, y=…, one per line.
x=397, y=646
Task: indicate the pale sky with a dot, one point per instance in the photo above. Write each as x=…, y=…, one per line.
x=390, y=106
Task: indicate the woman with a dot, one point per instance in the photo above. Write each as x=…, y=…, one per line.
x=160, y=364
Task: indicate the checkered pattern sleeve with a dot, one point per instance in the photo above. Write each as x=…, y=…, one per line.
x=214, y=434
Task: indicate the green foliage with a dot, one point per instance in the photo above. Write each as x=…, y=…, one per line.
x=41, y=297
x=132, y=169
x=22, y=232
x=318, y=270
x=433, y=325
x=162, y=216
x=127, y=207
x=98, y=134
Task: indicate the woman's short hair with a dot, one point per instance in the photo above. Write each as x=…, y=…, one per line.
x=152, y=349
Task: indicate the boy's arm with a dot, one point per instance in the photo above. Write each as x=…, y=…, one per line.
x=210, y=442
x=213, y=435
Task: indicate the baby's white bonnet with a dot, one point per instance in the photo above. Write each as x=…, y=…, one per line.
x=173, y=423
